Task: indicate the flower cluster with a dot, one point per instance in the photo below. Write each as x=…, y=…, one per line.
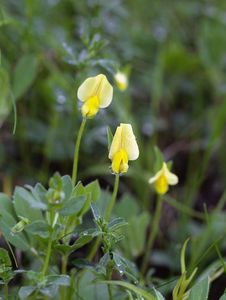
x=95, y=93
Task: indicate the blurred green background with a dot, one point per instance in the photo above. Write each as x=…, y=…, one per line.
x=175, y=56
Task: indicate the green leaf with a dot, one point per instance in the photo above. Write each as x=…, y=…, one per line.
x=73, y=206
x=80, y=242
x=137, y=290
x=39, y=228
x=182, y=257
x=125, y=267
x=7, y=221
x=5, y=103
x=56, y=182
x=94, y=189
x=159, y=295
x=67, y=186
x=200, y=290
x=4, y=258
x=90, y=290
x=121, y=207
x=24, y=74
x=116, y=224
x=5, y=266
x=134, y=242
x=39, y=193
x=58, y=280
x=95, y=211
x=26, y=205
x=80, y=190
x=26, y=291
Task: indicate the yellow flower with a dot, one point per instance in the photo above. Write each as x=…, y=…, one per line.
x=163, y=179
x=96, y=92
x=123, y=148
x=121, y=81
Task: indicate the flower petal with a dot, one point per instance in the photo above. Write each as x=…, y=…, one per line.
x=121, y=81
x=129, y=142
x=105, y=91
x=171, y=178
x=88, y=88
x=116, y=142
x=155, y=177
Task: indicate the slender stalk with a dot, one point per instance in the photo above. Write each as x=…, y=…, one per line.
x=110, y=292
x=113, y=198
x=107, y=217
x=6, y=291
x=47, y=259
x=109, y=275
x=64, y=264
x=49, y=247
x=76, y=152
x=63, y=271
x=72, y=287
x=152, y=235
x=74, y=179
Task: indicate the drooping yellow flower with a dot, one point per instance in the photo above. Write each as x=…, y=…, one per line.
x=121, y=81
x=163, y=179
x=96, y=92
x=123, y=148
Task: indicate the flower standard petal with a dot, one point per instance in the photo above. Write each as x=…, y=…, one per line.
x=96, y=86
x=172, y=178
x=129, y=142
x=88, y=88
x=96, y=92
x=105, y=92
x=116, y=142
x=123, y=148
x=155, y=177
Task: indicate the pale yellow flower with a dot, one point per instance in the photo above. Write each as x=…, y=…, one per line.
x=123, y=148
x=96, y=92
x=163, y=179
x=121, y=81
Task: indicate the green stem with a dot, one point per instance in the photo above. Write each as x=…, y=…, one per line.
x=49, y=247
x=109, y=275
x=152, y=235
x=47, y=259
x=46, y=262
x=113, y=198
x=107, y=217
x=64, y=264
x=6, y=291
x=110, y=292
x=74, y=179
x=63, y=271
x=76, y=152
x=71, y=289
